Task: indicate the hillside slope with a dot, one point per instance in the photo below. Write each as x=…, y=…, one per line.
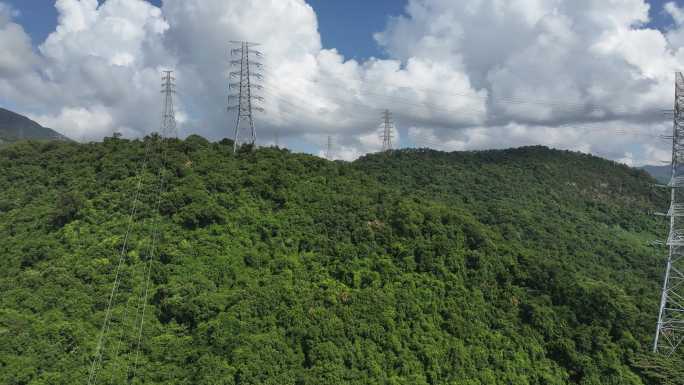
x=527, y=266
x=14, y=127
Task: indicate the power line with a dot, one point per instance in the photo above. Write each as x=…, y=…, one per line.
x=303, y=107
x=156, y=236
x=244, y=89
x=292, y=115
x=565, y=106
x=101, y=343
x=120, y=342
x=167, y=129
x=306, y=106
x=476, y=113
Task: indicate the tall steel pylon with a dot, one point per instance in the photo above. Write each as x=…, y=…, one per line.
x=168, y=122
x=243, y=90
x=387, y=131
x=670, y=329
x=329, y=149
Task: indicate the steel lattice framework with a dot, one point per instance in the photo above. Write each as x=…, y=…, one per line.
x=243, y=90
x=329, y=149
x=387, y=131
x=670, y=330
x=168, y=123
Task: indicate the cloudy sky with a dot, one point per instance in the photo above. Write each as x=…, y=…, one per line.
x=587, y=75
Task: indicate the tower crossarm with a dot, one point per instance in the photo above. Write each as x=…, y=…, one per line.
x=677, y=181
x=676, y=210
x=676, y=238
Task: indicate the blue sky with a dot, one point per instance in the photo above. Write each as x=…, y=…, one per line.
x=347, y=25
x=659, y=18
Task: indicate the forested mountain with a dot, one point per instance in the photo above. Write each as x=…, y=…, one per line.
x=526, y=266
x=14, y=127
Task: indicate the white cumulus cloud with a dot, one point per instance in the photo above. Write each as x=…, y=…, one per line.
x=581, y=74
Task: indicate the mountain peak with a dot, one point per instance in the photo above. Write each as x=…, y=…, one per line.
x=14, y=126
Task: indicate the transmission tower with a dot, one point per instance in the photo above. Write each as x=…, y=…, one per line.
x=168, y=122
x=243, y=90
x=387, y=131
x=670, y=330
x=329, y=149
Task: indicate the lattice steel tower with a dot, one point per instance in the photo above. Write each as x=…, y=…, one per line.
x=243, y=90
x=387, y=131
x=329, y=149
x=168, y=123
x=670, y=331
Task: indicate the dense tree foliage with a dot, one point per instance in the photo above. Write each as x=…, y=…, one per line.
x=527, y=266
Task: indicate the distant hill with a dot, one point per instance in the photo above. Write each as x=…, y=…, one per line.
x=15, y=127
x=661, y=173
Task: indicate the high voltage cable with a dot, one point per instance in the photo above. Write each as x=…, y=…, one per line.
x=151, y=253
x=431, y=106
x=480, y=113
x=121, y=337
x=95, y=369
x=574, y=106
x=428, y=106
x=568, y=125
x=578, y=106
x=436, y=143
x=97, y=360
x=340, y=100
x=616, y=130
x=367, y=122
x=299, y=107
x=167, y=129
x=302, y=107
x=289, y=115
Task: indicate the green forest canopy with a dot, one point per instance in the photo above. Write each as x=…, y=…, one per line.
x=525, y=266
